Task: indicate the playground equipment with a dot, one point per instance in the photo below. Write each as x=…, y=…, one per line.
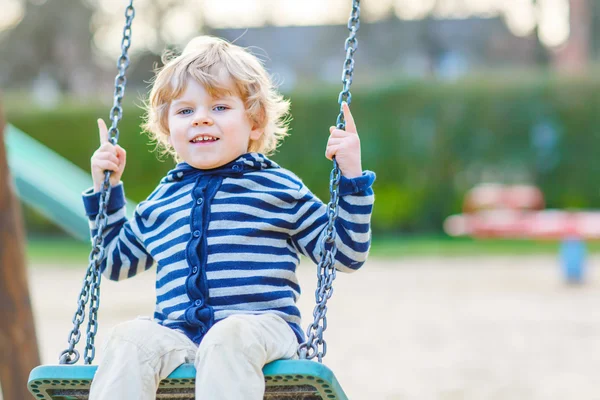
x=285, y=379
x=516, y=212
x=49, y=183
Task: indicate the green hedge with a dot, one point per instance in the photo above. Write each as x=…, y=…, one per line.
x=428, y=142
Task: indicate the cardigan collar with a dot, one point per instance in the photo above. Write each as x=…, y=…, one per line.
x=245, y=163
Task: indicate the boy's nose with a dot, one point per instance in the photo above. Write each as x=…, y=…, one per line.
x=202, y=120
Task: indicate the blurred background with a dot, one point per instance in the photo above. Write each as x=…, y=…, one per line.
x=448, y=95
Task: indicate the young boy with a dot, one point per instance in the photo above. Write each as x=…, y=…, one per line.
x=225, y=229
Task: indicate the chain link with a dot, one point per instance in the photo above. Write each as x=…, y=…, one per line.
x=90, y=292
x=315, y=345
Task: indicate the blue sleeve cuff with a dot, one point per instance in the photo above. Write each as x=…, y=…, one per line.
x=357, y=185
x=115, y=203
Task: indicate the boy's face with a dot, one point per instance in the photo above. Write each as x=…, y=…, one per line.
x=209, y=132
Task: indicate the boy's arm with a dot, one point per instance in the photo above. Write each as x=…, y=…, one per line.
x=125, y=253
x=353, y=223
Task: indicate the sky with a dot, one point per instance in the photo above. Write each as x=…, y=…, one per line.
x=520, y=16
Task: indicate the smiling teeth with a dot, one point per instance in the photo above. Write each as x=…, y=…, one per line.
x=204, y=139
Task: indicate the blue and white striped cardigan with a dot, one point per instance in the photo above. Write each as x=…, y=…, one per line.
x=227, y=241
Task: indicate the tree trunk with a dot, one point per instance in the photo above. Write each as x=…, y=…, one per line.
x=18, y=343
x=574, y=56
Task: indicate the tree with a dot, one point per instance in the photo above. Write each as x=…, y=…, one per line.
x=53, y=38
x=575, y=55
x=18, y=343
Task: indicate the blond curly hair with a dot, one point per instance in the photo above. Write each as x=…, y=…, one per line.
x=208, y=60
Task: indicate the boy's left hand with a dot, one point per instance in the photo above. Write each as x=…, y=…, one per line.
x=345, y=146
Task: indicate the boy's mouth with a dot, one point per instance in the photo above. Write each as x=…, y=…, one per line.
x=204, y=139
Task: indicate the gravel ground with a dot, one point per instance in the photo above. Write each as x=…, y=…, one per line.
x=423, y=328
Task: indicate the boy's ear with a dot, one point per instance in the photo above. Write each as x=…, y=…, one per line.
x=256, y=133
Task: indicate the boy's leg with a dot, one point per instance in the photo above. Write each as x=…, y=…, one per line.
x=231, y=356
x=136, y=356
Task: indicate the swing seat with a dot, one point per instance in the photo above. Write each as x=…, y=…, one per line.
x=285, y=380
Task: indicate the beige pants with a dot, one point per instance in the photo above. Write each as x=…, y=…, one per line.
x=229, y=361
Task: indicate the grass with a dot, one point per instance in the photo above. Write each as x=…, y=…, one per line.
x=53, y=250
x=441, y=246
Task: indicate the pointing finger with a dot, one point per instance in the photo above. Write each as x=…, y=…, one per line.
x=103, y=131
x=350, y=125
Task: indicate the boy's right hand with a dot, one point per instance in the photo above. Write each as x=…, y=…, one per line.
x=108, y=157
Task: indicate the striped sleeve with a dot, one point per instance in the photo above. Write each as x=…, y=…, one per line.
x=125, y=252
x=353, y=224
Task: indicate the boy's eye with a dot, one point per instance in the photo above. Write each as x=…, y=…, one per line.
x=220, y=108
x=185, y=111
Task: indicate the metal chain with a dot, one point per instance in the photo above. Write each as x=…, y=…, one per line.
x=90, y=291
x=315, y=345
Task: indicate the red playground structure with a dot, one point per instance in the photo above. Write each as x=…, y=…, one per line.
x=517, y=212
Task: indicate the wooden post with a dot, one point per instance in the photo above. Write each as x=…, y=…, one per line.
x=18, y=343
